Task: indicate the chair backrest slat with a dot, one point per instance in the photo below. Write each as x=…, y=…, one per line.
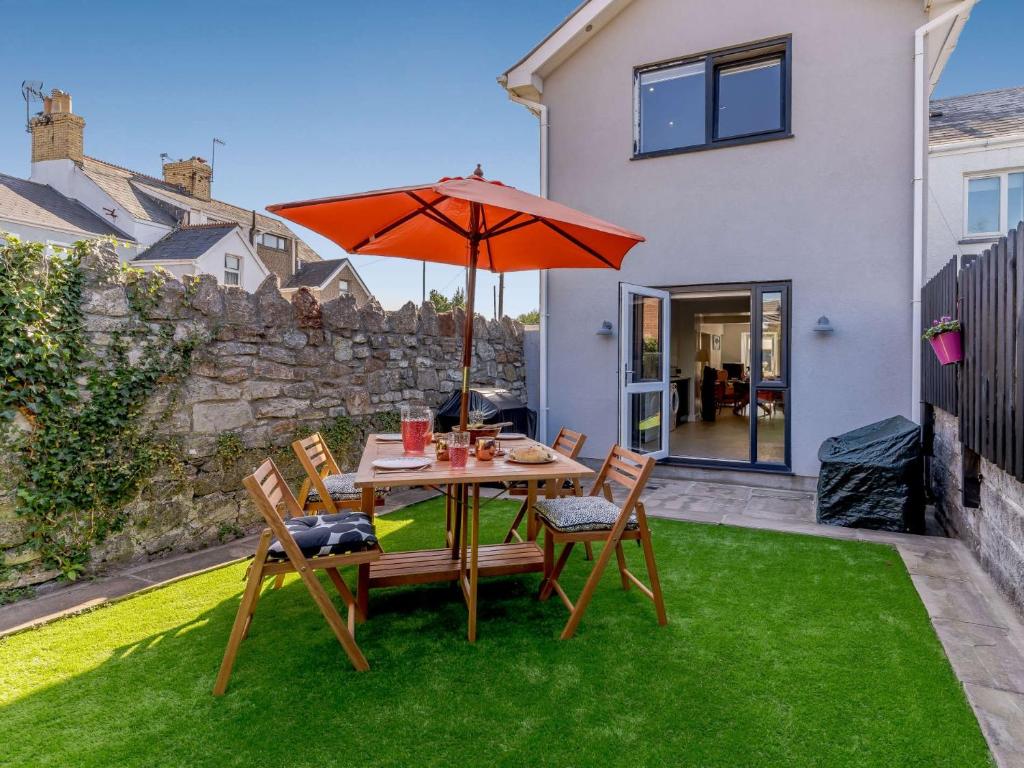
x=626, y=468
x=268, y=488
x=316, y=459
x=569, y=442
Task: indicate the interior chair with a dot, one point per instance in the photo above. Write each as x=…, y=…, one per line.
x=302, y=544
x=569, y=443
x=585, y=519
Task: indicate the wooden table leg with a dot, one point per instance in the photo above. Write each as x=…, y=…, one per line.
x=459, y=502
x=531, y=517
x=474, y=565
x=368, y=501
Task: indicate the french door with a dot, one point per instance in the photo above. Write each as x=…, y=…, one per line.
x=644, y=398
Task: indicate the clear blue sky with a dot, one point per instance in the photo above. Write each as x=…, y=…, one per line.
x=325, y=98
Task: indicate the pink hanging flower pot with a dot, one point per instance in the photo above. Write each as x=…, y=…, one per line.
x=946, y=338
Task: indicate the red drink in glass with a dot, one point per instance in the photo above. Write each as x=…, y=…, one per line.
x=414, y=435
x=458, y=455
x=415, y=426
x=458, y=449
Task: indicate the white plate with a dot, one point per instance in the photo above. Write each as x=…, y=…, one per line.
x=390, y=437
x=514, y=460
x=511, y=436
x=407, y=463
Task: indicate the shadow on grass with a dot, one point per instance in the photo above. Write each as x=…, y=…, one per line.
x=781, y=650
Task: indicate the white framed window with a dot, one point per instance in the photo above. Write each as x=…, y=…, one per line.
x=232, y=270
x=993, y=203
x=343, y=287
x=274, y=241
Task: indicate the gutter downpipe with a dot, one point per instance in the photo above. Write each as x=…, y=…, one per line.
x=922, y=95
x=541, y=111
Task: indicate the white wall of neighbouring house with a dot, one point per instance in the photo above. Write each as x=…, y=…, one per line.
x=829, y=209
x=948, y=168
x=57, y=237
x=71, y=181
x=212, y=262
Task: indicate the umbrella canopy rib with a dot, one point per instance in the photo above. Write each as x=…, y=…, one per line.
x=577, y=242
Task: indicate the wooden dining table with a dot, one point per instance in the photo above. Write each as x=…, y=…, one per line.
x=462, y=559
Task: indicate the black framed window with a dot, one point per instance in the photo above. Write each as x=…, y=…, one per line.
x=720, y=98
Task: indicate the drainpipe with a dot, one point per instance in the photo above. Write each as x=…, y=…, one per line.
x=541, y=111
x=922, y=95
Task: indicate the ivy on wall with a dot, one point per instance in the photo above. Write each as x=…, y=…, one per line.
x=70, y=418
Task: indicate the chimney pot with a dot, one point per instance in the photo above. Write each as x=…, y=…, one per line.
x=58, y=133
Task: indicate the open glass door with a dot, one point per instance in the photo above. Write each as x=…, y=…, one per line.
x=643, y=421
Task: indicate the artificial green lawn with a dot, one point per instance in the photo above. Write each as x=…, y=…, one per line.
x=781, y=651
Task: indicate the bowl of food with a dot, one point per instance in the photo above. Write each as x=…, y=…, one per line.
x=532, y=454
x=476, y=431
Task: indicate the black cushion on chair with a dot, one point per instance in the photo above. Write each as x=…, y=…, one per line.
x=341, y=488
x=328, y=535
x=581, y=513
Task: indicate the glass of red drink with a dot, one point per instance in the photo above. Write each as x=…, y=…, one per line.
x=416, y=423
x=458, y=449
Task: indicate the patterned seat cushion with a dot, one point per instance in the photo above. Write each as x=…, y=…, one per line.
x=581, y=513
x=328, y=534
x=341, y=488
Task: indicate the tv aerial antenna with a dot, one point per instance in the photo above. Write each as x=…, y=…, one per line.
x=31, y=91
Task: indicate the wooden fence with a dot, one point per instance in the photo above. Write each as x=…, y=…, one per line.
x=987, y=392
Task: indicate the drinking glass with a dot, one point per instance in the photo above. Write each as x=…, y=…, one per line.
x=458, y=449
x=416, y=421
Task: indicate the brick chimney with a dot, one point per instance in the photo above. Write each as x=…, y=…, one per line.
x=194, y=175
x=57, y=133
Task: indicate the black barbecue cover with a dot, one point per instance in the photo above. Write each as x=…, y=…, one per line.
x=497, y=405
x=873, y=477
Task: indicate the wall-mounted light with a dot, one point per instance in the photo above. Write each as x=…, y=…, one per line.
x=823, y=325
x=605, y=329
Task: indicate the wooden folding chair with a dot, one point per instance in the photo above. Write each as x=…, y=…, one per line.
x=301, y=545
x=568, y=443
x=574, y=519
x=326, y=488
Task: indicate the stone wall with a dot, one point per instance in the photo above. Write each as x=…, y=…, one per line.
x=994, y=532
x=267, y=371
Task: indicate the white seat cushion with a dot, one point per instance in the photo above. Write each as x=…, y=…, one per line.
x=341, y=488
x=581, y=513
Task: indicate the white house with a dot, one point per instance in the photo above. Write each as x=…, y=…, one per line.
x=774, y=156
x=975, y=172
x=175, y=221
x=40, y=213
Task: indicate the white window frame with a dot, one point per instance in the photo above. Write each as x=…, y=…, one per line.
x=343, y=286
x=1004, y=201
x=277, y=238
x=228, y=270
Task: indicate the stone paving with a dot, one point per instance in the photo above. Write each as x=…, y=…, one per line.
x=981, y=634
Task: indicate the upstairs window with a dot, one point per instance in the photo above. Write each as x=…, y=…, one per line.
x=722, y=98
x=232, y=270
x=995, y=203
x=274, y=241
x=343, y=287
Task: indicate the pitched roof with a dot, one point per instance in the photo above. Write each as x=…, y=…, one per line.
x=315, y=273
x=152, y=199
x=186, y=243
x=43, y=206
x=984, y=115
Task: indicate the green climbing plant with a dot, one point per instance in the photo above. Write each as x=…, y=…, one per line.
x=71, y=416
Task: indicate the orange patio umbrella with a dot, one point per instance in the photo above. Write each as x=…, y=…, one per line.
x=470, y=222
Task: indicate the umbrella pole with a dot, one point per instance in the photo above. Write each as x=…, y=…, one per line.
x=467, y=334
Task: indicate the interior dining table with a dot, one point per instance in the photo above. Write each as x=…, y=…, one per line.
x=462, y=559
